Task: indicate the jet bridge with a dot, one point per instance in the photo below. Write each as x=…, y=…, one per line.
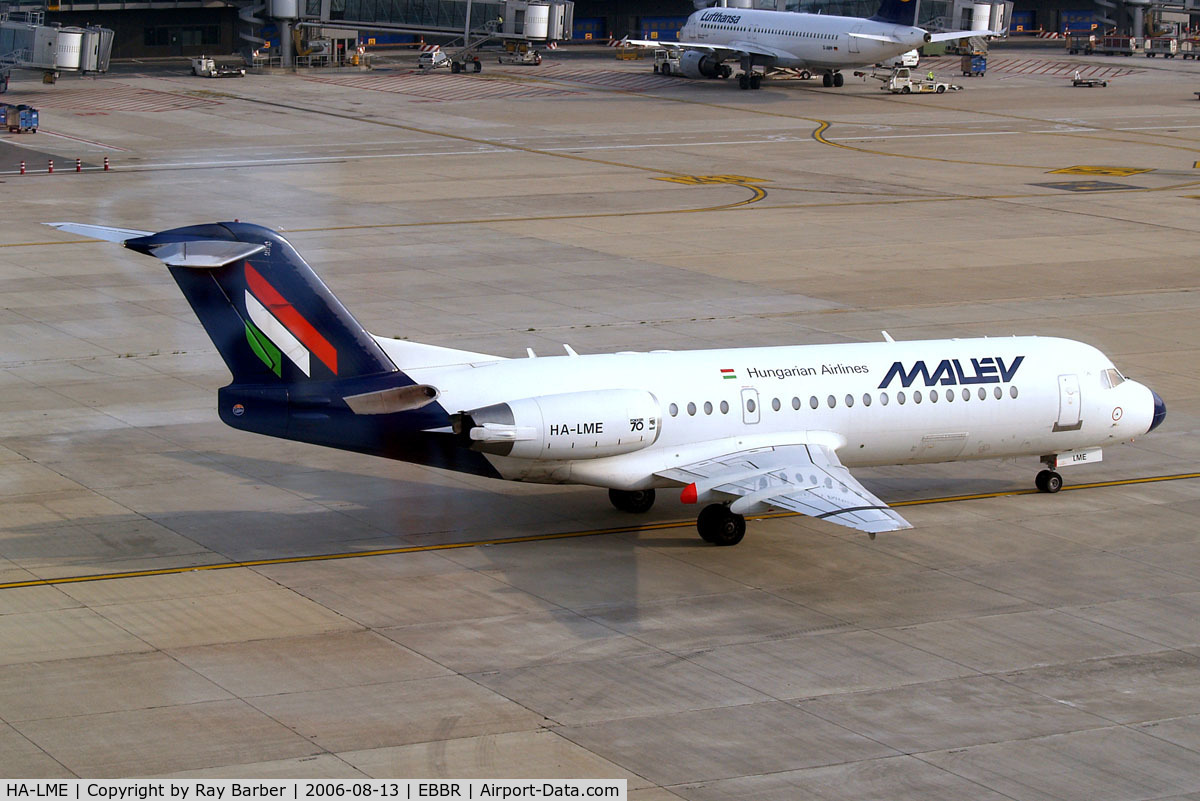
x=27, y=43
x=474, y=22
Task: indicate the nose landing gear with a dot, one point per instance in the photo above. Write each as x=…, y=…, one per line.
x=1048, y=481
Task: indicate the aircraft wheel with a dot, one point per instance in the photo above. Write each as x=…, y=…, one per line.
x=633, y=501
x=720, y=526
x=838, y=79
x=726, y=71
x=755, y=81
x=743, y=81
x=1048, y=481
x=941, y=89
x=805, y=75
x=827, y=80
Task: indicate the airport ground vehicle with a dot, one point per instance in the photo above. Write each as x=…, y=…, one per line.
x=519, y=54
x=1088, y=82
x=901, y=82
x=19, y=119
x=439, y=59
x=909, y=58
x=206, y=67
x=1165, y=46
x=973, y=65
x=1119, y=45
x=666, y=61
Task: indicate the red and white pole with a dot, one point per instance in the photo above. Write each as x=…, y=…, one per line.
x=50, y=169
x=106, y=163
x=22, y=168
x=78, y=165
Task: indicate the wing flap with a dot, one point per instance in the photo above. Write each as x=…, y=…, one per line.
x=806, y=478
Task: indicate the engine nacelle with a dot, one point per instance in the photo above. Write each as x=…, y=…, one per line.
x=699, y=65
x=574, y=425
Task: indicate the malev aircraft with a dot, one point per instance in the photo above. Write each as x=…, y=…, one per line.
x=740, y=430
x=812, y=43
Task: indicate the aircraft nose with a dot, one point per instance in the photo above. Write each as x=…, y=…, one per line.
x=1160, y=412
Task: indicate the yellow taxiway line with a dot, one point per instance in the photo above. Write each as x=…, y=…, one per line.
x=448, y=546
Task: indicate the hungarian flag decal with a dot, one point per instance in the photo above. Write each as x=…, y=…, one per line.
x=728, y=373
x=277, y=329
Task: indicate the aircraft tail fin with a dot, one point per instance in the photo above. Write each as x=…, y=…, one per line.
x=269, y=315
x=897, y=12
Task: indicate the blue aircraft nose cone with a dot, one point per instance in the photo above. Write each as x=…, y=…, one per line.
x=1160, y=412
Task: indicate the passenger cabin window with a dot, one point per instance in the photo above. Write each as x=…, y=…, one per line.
x=691, y=409
x=966, y=394
x=796, y=404
x=751, y=405
x=1012, y=392
x=724, y=407
x=707, y=407
x=813, y=402
x=673, y=409
x=900, y=398
x=883, y=399
x=998, y=393
x=832, y=401
x=982, y=393
x=866, y=399
x=775, y=404
x=916, y=396
x=849, y=401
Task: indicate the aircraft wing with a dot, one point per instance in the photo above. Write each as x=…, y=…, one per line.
x=670, y=45
x=806, y=478
x=724, y=51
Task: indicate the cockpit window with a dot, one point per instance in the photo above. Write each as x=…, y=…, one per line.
x=1113, y=377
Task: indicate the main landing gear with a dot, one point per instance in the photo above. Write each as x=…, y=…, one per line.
x=749, y=81
x=720, y=526
x=835, y=79
x=1048, y=481
x=633, y=501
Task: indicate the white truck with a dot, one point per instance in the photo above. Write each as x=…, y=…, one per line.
x=902, y=82
x=666, y=61
x=205, y=67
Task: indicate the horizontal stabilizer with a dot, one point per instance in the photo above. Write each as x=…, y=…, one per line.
x=99, y=231
x=204, y=253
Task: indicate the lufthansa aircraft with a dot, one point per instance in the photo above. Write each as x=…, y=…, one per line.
x=811, y=43
x=740, y=430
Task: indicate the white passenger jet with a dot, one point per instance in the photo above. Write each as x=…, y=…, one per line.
x=810, y=43
x=741, y=430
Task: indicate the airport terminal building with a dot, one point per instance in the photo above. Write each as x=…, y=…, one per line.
x=155, y=29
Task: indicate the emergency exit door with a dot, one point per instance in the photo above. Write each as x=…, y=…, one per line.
x=1068, y=404
x=750, y=411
